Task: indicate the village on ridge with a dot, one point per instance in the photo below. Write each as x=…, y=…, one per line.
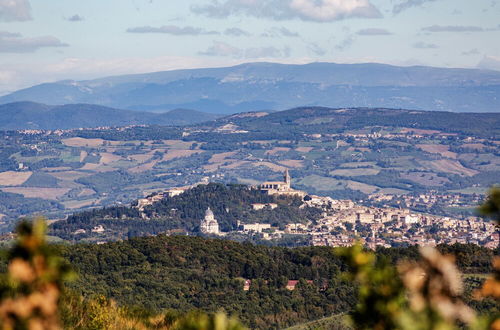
x=344, y=222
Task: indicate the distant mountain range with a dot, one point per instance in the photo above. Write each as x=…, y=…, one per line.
x=29, y=115
x=270, y=86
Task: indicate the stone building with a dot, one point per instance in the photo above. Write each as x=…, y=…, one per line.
x=280, y=187
x=209, y=224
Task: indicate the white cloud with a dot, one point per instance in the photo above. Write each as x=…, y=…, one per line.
x=307, y=10
x=331, y=10
x=474, y=51
x=316, y=49
x=220, y=48
x=267, y=52
x=6, y=34
x=373, y=32
x=424, y=45
x=15, y=43
x=407, y=4
x=236, y=32
x=279, y=32
x=15, y=10
x=7, y=77
x=172, y=29
x=452, y=28
x=75, y=18
x=345, y=43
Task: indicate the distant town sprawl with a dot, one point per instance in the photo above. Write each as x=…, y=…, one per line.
x=433, y=163
x=343, y=222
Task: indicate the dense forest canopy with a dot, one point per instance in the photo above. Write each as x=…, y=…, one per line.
x=184, y=273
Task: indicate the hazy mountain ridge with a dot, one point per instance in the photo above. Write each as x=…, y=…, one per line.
x=30, y=115
x=257, y=86
x=321, y=73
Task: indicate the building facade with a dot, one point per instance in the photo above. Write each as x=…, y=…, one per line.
x=280, y=187
x=209, y=224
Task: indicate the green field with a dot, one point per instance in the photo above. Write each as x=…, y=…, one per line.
x=119, y=164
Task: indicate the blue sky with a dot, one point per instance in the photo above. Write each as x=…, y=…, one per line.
x=47, y=40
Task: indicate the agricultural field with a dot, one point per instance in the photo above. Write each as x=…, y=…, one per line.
x=58, y=174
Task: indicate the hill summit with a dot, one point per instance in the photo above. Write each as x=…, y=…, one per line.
x=30, y=115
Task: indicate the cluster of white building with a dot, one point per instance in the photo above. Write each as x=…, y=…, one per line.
x=392, y=226
x=344, y=222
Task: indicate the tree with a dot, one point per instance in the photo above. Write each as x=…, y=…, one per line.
x=31, y=289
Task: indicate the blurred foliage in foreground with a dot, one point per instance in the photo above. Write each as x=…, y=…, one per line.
x=33, y=296
x=31, y=289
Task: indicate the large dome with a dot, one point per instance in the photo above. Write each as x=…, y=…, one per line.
x=209, y=214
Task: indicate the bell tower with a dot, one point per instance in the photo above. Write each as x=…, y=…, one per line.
x=288, y=179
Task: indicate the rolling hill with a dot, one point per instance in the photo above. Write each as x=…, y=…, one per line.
x=339, y=152
x=29, y=115
x=258, y=86
x=309, y=120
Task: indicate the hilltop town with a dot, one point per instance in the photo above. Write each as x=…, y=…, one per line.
x=343, y=222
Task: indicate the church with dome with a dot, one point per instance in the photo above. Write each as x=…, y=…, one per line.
x=209, y=224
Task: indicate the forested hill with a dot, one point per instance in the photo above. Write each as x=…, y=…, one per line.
x=185, y=273
x=230, y=204
x=335, y=120
x=29, y=115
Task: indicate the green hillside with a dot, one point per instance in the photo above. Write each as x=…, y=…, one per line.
x=184, y=273
x=230, y=203
x=336, y=120
x=29, y=115
x=342, y=153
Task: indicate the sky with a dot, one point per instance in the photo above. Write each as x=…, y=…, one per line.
x=50, y=40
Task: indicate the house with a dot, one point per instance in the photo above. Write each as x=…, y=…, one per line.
x=295, y=227
x=291, y=284
x=98, y=229
x=256, y=227
x=259, y=206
